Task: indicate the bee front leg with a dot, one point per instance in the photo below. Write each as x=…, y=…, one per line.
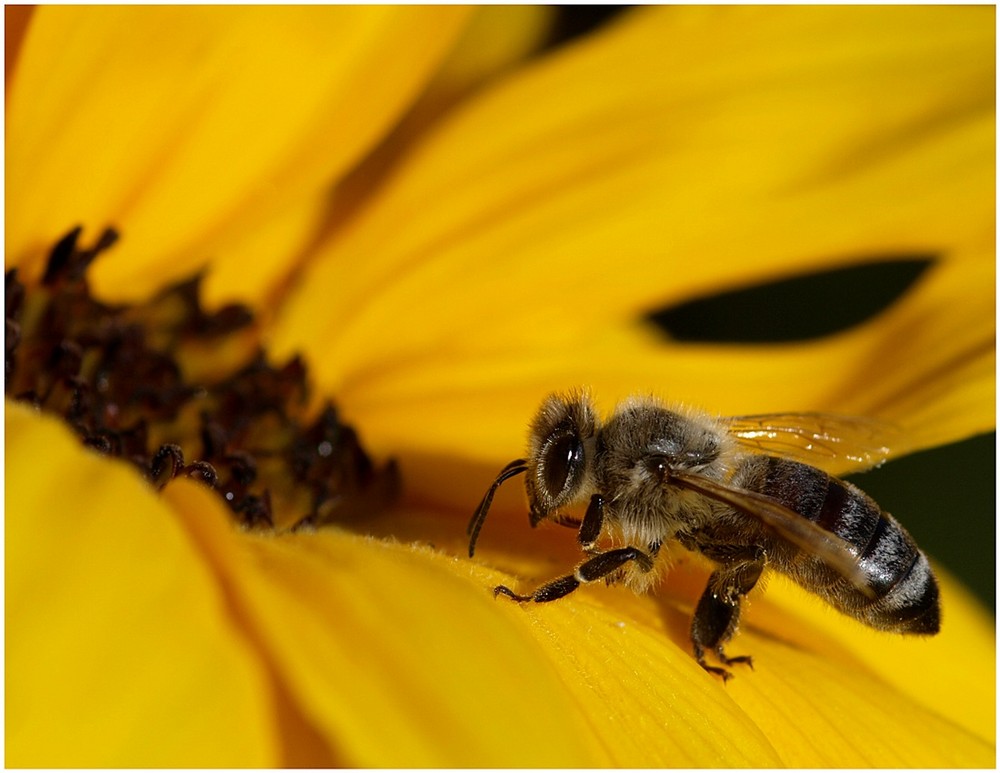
x=718, y=613
x=599, y=567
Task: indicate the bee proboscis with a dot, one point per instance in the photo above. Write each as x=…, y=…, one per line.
x=749, y=493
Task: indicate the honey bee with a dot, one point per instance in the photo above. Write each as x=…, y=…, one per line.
x=746, y=492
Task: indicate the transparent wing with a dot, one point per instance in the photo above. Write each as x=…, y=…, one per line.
x=835, y=552
x=835, y=444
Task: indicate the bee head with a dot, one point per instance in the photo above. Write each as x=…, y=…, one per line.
x=561, y=453
x=558, y=465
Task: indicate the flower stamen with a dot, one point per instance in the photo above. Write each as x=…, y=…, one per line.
x=164, y=381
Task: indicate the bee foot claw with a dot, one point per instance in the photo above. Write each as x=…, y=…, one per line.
x=726, y=675
x=738, y=659
x=503, y=590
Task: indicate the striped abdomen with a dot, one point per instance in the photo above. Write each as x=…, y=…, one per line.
x=905, y=593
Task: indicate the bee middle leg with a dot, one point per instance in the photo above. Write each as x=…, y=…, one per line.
x=718, y=612
x=599, y=567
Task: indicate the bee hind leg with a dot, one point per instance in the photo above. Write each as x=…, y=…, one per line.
x=718, y=613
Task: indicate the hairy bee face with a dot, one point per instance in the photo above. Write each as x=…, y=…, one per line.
x=560, y=460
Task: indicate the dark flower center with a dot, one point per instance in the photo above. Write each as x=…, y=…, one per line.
x=179, y=391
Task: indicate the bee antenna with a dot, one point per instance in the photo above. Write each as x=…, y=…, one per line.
x=514, y=468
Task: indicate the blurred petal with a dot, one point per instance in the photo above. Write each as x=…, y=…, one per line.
x=497, y=37
x=120, y=650
x=927, y=365
x=16, y=19
x=365, y=635
x=931, y=360
x=749, y=142
x=185, y=126
x=253, y=274
x=536, y=273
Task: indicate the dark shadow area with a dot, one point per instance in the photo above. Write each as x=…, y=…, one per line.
x=795, y=309
x=574, y=21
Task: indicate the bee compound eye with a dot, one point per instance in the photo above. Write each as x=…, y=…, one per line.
x=561, y=462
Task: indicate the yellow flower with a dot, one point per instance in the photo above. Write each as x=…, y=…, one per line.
x=446, y=236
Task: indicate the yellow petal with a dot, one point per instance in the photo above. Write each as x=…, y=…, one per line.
x=963, y=654
x=258, y=260
x=683, y=151
x=120, y=649
x=927, y=365
x=820, y=681
x=496, y=38
x=16, y=19
x=183, y=127
x=931, y=359
x=365, y=636
x=365, y=639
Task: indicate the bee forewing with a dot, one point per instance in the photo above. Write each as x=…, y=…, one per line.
x=835, y=444
x=800, y=531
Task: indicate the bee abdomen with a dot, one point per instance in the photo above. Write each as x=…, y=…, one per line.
x=901, y=593
x=906, y=593
x=833, y=505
